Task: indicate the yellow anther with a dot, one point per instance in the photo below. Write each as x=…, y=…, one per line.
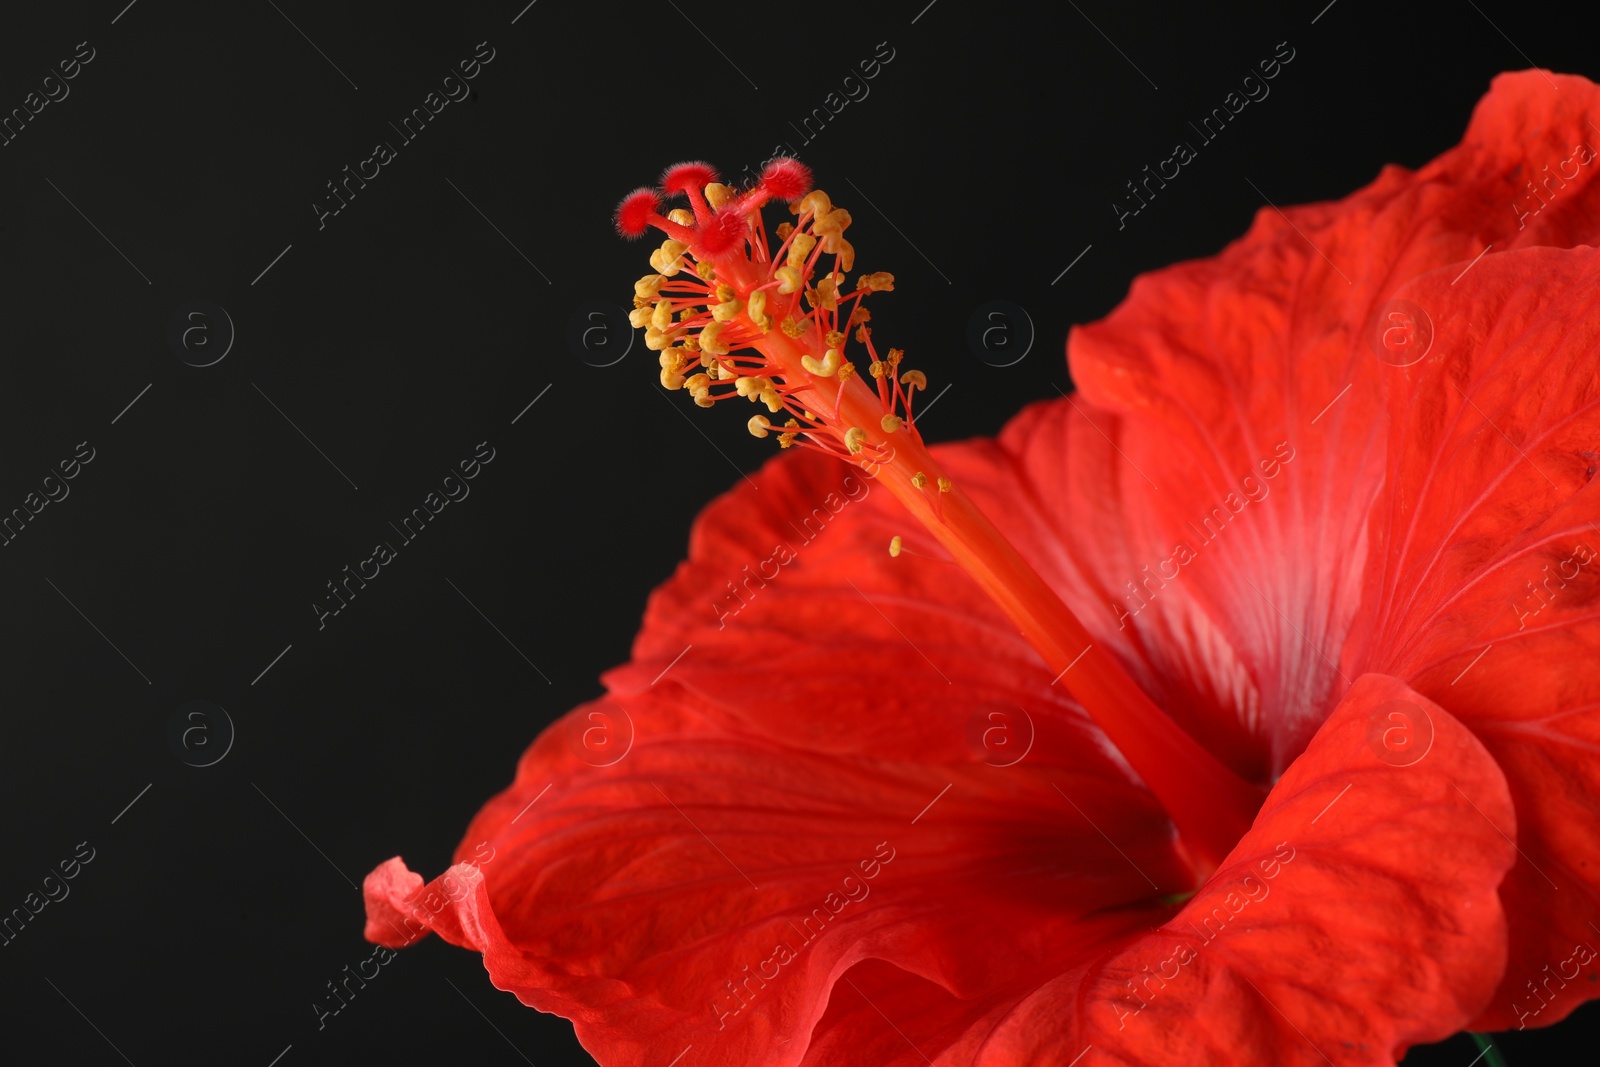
x=826, y=367
x=834, y=221
x=691, y=343
x=878, y=368
x=894, y=545
x=800, y=248
x=831, y=221
x=757, y=310
x=859, y=315
x=878, y=282
x=640, y=317
x=671, y=378
x=862, y=333
x=661, y=317
x=751, y=388
x=945, y=485
x=833, y=339
x=919, y=480
x=830, y=227
x=758, y=425
x=789, y=279
x=726, y=292
x=891, y=423
x=838, y=246
x=795, y=329
x=727, y=311
x=649, y=286
x=784, y=230
x=826, y=294
x=711, y=342
x=698, y=384
x=914, y=379
x=688, y=313
x=707, y=360
x=816, y=201
x=681, y=216
x=855, y=439
x=672, y=357
x=895, y=356
x=831, y=224
x=655, y=340
x=846, y=369
x=666, y=258
x=718, y=194
x=642, y=301
x=705, y=270
x=723, y=374
x=774, y=402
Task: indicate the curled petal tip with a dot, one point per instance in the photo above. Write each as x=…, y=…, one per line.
x=385, y=892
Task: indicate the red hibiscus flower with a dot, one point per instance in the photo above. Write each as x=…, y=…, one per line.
x=1241, y=707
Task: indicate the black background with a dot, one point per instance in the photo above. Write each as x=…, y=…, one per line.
x=424, y=318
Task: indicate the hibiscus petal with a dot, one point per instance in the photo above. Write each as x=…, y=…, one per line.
x=1236, y=559
x=1487, y=591
x=710, y=889
x=1356, y=918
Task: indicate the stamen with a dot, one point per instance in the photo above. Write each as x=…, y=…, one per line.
x=728, y=286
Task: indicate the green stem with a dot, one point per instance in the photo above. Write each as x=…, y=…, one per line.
x=1492, y=1057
